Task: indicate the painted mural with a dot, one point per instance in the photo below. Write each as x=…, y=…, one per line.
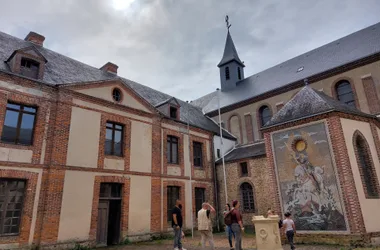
x=307, y=180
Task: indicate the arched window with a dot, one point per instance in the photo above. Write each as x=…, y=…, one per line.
x=239, y=73
x=366, y=168
x=344, y=93
x=246, y=191
x=265, y=115
x=227, y=71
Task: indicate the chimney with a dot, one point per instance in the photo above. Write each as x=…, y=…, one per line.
x=35, y=38
x=110, y=67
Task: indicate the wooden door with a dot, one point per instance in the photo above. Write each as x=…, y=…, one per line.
x=101, y=234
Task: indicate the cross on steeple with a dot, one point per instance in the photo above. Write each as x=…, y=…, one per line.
x=228, y=23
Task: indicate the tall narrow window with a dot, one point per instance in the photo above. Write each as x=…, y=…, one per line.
x=265, y=115
x=247, y=197
x=19, y=124
x=366, y=168
x=243, y=169
x=172, y=149
x=29, y=68
x=227, y=71
x=197, y=154
x=344, y=93
x=218, y=153
x=239, y=73
x=172, y=196
x=114, y=139
x=199, y=199
x=173, y=112
x=11, y=203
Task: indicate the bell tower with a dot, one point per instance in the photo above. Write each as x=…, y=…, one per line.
x=231, y=67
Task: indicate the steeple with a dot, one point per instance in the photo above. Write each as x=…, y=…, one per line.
x=231, y=68
x=230, y=53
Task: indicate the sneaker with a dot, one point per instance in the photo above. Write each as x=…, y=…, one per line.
x=183, y=249
x=176, y=248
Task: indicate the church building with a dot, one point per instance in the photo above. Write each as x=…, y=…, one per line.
x=90, y=157
x=307, y=138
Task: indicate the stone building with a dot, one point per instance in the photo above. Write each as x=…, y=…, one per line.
x=91, y=157
x=313, y=151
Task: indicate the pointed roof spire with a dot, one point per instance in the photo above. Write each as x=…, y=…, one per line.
x=230, y=53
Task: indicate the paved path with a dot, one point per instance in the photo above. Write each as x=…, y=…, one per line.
x=220, y=243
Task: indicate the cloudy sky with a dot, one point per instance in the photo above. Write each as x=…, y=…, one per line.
x=175, y=45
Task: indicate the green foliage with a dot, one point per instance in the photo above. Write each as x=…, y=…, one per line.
x=81, y=247
x=126, y=241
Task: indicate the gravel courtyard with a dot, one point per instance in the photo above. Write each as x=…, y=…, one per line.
x=221, y=243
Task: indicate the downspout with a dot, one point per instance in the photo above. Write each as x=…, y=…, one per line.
x=215, y=184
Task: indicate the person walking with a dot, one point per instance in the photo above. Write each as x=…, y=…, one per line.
x=204, y=224
x=228, y=222
x=290, y=229
x=177, y=225
x=237, y=224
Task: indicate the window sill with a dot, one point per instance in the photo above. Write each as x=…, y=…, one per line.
x=16, y=146
x=114, y=157
x=199, y=168
x=173, y=164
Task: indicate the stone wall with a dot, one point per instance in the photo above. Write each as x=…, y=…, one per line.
x=257, y=177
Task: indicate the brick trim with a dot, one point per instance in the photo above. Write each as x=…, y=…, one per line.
x=125, y=181
x=352, y=84
x=240, y=126
x=345, y=176
x=88, y=85
x=240, y=197
x=374, y=181
x=208, y=196
x=155, y=212
x=258, y=118
x=52, y=205
x=27, y=211
x=239, y=162
x=182, y=190
x=249, y=128
x=126, y=139
x=39, y=124
x=166, y=133
x=371, y=95
x=206, y=165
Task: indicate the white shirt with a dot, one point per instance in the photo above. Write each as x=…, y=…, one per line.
x=288, y=223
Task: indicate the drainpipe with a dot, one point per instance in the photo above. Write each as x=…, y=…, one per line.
x=215, y=184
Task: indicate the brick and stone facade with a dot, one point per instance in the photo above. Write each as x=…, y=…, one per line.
x=63, y=177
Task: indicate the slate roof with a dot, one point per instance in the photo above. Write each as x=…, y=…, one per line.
x=61, y=69
x=309, y=102
x=243, y=152
x=353, y=47
x=230, y=53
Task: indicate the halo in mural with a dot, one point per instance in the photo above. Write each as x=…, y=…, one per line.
x=299, y=144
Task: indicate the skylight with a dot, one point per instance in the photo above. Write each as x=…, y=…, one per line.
x=300, y=69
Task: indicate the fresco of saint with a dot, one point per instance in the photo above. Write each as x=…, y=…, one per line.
x=307, y=179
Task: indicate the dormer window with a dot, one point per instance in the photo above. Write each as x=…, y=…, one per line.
x=29, y=68
x=173, y=112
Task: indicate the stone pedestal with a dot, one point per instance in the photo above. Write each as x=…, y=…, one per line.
x=267, y=232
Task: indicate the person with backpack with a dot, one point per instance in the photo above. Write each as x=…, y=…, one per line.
x=228, y=222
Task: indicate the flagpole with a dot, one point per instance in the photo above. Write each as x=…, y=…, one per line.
x=191, y=186
x=221, y=146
